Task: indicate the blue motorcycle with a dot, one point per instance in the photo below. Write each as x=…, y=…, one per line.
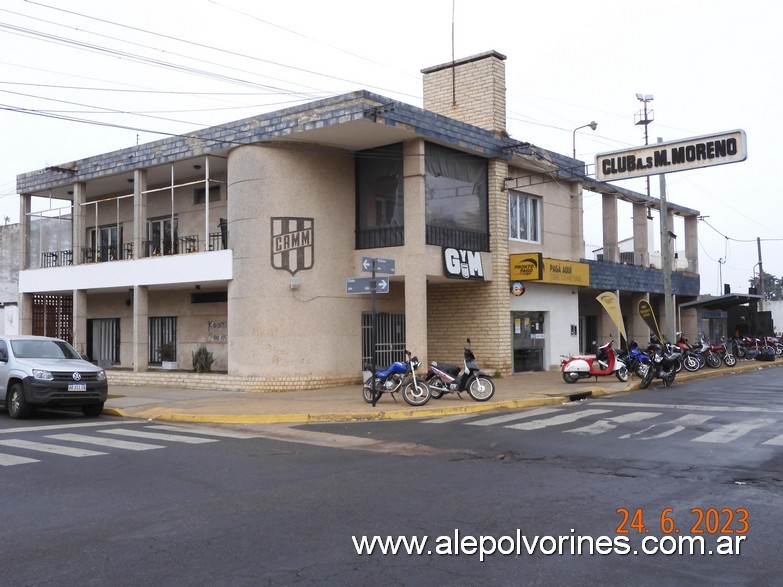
x=637, y=360
x=399, y=376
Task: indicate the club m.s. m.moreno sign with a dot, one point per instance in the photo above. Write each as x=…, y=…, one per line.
x=693, y=153
x=292, y=243
x=462, y=264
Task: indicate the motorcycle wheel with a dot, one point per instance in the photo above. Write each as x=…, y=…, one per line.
x=647, y=379
x=367, y=391
x=690, y=363
x=729, y=359
x=481, y=388
x=668, y=381
x=713, y=361
x=570, y=376
x=779, y=350
x=436, y=386
x=742, y=352
x=622, y=373
x=641, y=368
x=416, y=395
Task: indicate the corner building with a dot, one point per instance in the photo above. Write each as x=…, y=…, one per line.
x=241, y=238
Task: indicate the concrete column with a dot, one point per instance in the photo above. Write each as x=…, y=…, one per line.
x=577, y=225
x=140, y=328
x=25, y=314
x=25, y=207
x=415, y=248
x=80, y=321
x=692, y=243
x=139, y=213
x=641, y=236
x=611, y=248
x=79, y=232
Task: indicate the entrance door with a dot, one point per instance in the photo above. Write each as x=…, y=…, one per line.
x=527, y=330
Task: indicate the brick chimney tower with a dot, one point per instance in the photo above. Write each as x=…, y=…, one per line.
x=472, y=90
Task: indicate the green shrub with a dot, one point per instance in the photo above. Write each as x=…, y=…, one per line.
x=202, y=360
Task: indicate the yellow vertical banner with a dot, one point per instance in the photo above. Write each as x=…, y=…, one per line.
x=647, y=314
x=612, y=306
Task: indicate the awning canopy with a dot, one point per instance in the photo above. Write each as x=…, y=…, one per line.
x=722, y=302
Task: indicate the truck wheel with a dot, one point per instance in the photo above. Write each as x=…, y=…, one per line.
x=92, y=410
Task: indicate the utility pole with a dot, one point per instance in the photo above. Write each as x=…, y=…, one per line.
x=666, y=263
x=761, y=270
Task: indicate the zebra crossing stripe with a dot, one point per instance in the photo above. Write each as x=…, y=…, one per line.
x=664, y=429
x=517, y=416
x=206, y=431
x=556, y=420
x=731, y=432
x=607, y=424
x=776, y=441
x=9, y=460
x=157, y=436
x=51, y=448
x=107, y=442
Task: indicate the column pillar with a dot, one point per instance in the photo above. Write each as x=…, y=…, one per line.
x=79, y=233
x=415, y=250
x=577, y=225
x=140, y=213
x=140, y=328
x=641, y=235
x=611, y=249
x=692, y=243
x=80, y=321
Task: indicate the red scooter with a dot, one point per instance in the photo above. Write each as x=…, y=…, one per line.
x=604, y=362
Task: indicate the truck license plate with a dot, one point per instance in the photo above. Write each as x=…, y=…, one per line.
x=77, y=387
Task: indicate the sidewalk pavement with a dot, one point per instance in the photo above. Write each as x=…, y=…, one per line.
x=341, y=404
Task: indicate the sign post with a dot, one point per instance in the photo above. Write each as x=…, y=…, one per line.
x=372, y=285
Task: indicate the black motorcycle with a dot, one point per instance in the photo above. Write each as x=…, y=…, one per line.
x=663, y=365
x=443, y=378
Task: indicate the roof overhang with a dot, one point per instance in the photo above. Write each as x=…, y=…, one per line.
x=722, y=302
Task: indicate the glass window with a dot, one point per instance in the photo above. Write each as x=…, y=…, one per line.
x=456, y=189
x=379, y=192
x=199, y=194
x=524, y=219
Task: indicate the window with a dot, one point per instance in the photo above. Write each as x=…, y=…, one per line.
x=379, y=193
x=103, y=340
x=105, y=243
x=455, y=186
x=162, y=236
x=162, y=333
x=199, y=193
x=524, y=219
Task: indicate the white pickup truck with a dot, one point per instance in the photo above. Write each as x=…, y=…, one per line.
x=39, y=371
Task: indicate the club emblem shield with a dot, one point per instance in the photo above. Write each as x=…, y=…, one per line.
x=292, y=244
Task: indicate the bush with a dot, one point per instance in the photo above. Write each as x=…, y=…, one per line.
x=202, y=360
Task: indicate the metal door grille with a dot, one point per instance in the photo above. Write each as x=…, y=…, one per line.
x=162, y=330
x=390, y=339
x=53, y=316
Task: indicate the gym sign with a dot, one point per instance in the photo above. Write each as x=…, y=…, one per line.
x=694, y=153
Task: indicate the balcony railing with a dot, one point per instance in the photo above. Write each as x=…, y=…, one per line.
x=458, y=238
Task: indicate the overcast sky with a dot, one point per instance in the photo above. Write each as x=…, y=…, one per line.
x=83, y=77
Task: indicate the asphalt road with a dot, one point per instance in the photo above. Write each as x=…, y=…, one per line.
x=601, y=490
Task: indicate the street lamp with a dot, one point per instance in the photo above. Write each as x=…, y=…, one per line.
x=592, y=125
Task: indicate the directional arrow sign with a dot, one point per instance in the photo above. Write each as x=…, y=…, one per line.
x=364, y=285
x=381, y=265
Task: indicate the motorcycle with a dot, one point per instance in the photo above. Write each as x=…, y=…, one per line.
x=635, y=359
x=400, y=375
x=663, y=366
x=691, y=359
x=725, y=353
x=604, y=362
x=443, y=378
x=711, y=358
